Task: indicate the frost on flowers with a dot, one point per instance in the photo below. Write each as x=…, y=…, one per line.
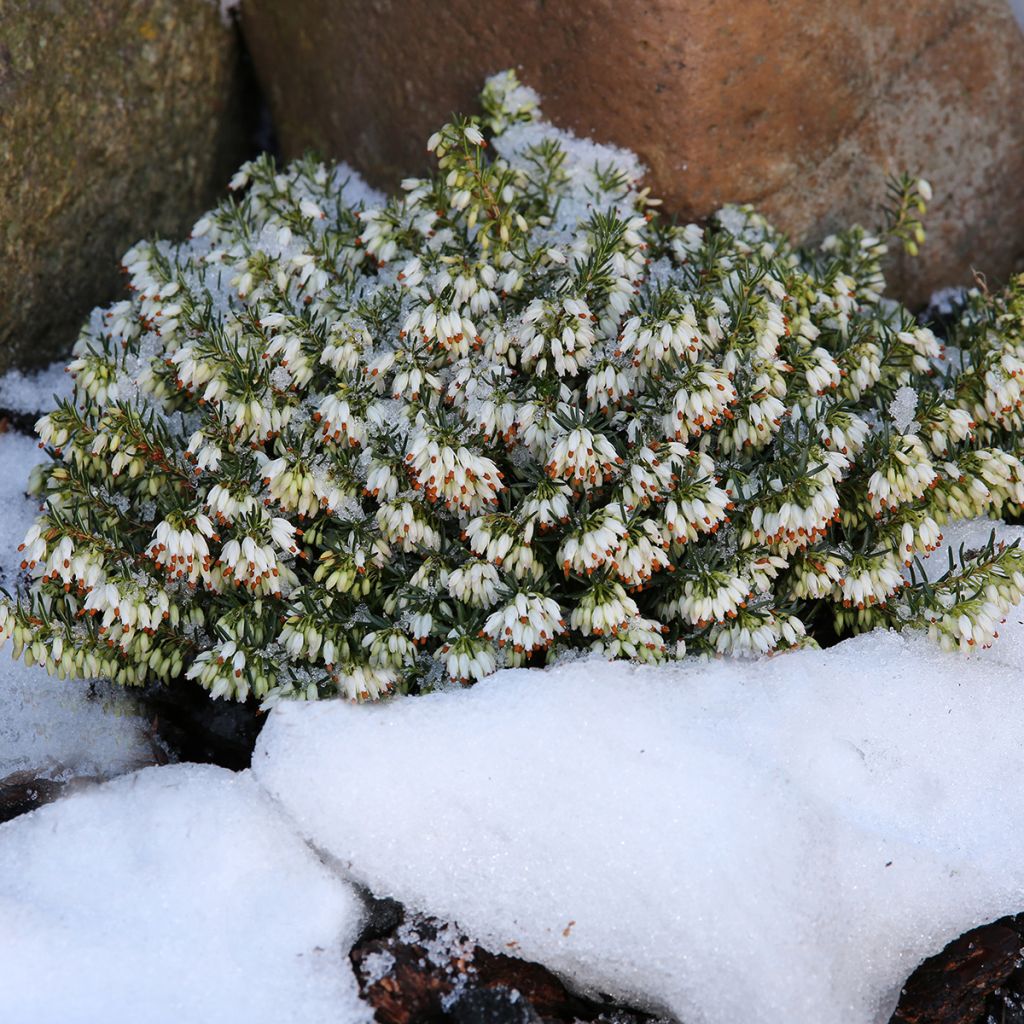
x=339, y=445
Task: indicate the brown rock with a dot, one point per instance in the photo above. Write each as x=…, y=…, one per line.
x=119, y=119
x=802, y=107
x=415, y=969
x=953, y=986
x=21, y=792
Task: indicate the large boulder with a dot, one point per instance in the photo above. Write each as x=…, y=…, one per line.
x=801, y=107
x=119, y=119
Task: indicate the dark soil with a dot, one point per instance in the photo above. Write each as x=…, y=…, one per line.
x=196, y=727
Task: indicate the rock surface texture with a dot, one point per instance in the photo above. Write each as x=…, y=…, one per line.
x=119, y=119
x=801, y=107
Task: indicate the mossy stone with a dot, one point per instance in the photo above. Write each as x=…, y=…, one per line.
x=119, y=119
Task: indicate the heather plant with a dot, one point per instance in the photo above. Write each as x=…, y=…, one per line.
x=337, y=444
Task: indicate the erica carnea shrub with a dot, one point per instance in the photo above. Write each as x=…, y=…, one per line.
x=337, y=444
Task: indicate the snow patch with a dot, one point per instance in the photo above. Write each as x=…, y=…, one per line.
x=51, y=727
x=175, y=894
x=778, y=842
x=34, y=392
x=902, y=409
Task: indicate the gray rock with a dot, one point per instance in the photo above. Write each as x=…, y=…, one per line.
x=119, y=119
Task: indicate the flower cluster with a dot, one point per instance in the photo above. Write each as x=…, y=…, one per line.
x=340, y=444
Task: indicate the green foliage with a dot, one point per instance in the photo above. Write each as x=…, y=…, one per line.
x=339, y=444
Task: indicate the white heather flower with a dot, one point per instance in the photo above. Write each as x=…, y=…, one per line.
x=687, y=242
x=871, y=580
x=556, y=336
x=253, y=563
x=788, y=525
x=641, y=554
x=966, y=624
x=50, y=433
x=593, y=542
x=863, y=366
x=604, y=608
x=546, y=507
x=538, y=427
x=310, y=209
x=345, y=347
x=711, y=596
x=492, y=536
x=240, y=178
x=694, y=507
x=466, y=658
x=639, y=639
x=205, y=455
x=700, y=403
x=391, y=648
x=838, y=429
x=764, y=570
x=60, y=564
x=945, y=427
x=183, y=553
x=432, y=575
x=382, y=481
x=292, y=485
x=903, y=475
x=528, y=622
x=923, y=345
x=650, y=473
x=283, y=533
x=583, y=458
x=337, y=422
x=521, y=563
x=910, y=532
x=496, y=417
x=649, y=344
x=817, y=575
x=476, y=583
x=364, y=682
x=228, y=670
x=408, y=525
x=226, y=506
x=97, y=377
x=457, y=477
x=820, y=371
x=755, y=421
x=302, y=639
x=759, y=632
x=33, y=547
x=607, y=386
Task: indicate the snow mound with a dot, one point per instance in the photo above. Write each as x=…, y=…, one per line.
x=33, y=391
x=51, y=727
x=175, y=894
x=56, y=729
x=778, y=842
